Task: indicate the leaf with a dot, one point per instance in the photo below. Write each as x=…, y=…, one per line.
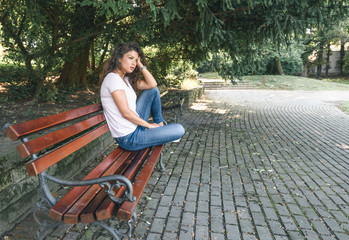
x=148, y=198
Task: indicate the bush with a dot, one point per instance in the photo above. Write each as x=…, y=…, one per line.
x=346, y=65
x=180, y=72
x=12, y=73
x=263, y=61
x=19, y=91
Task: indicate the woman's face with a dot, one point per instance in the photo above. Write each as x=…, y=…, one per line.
x=129, y=61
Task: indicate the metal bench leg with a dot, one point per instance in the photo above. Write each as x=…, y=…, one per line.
x=116, y=233
x=162, y=167
x=45, y=226
x=42, y=232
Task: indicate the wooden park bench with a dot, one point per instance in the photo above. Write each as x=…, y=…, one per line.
x=113, y=188
x=173, y=103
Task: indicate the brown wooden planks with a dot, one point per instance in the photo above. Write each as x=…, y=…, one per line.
x=37, y=166
x=52, y=138
x=88, y=214
x=127, y=208
x=107, y=207
x=22, y=129
x=132, y=163
x=57, y=211
x=72, y=215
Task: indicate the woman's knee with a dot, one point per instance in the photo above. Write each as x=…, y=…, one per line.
x=154, y=90
x=180, y=130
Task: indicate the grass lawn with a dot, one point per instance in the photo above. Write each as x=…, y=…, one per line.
x=294, y=83
x=345, y=107
x=289, y=82
x=279, y=82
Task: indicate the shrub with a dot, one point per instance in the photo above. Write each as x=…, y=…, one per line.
x=180, y=72
x=12, y=73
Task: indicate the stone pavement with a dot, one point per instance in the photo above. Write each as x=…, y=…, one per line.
x=267, y=170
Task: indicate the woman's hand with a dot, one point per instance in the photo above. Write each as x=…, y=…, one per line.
x=139, y=64
x=153, y=125
x=149, y=81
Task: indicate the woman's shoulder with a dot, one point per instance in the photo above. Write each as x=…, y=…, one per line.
x=111, y=78
x=112, y=75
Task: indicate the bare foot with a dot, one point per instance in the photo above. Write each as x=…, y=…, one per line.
x=161, y=124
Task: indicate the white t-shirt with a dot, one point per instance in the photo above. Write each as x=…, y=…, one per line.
x=118, y=125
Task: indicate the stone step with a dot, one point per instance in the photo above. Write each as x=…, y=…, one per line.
x=216, y=84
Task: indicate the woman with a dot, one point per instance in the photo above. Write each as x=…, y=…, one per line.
x=126, y=116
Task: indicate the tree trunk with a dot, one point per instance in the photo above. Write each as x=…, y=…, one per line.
x=74, y=72
x=278, y=66
x=93, y=60
x=305, y=72
x=341, y=57
x=319, y=62
x=328, y=54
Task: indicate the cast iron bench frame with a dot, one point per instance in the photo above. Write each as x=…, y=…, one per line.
x=122, y=175
x=173, y=103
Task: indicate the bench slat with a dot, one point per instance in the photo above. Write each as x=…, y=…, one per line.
x=40, y=143
x=72, y=215
x=88, y=215
x=127, y=208
x=22, y=129
x=37, y=166
x=57, y=211
x=107, y=207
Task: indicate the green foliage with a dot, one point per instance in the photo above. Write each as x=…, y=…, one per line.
x=44, y=35
x=346, y=65
x=12, y=73
x=345, y=107
x=290, y=59
x=289, y=56
x=19, y=91
x=179, y=73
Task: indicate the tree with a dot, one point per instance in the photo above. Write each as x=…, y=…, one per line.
x=174, y=29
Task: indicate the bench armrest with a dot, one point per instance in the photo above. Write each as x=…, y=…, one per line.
x=120, y=181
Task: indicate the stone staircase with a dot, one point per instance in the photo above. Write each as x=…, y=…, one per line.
x=220, y=84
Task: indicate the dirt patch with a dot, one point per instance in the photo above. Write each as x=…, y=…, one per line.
x=16, y=112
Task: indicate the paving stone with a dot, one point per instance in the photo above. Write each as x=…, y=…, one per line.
x=157, y=225
x=264, y=233
x=172, y=224
x=217, y=236
x=154, y=236
x=277, y=228
x=162, y=212
x=186, y=233
x=230, y=218
x=259, y=219
x=170, y=235
x=246, y=226
x=203, y=206
x=233, y=231
x=202, y=219
x=188, y=219
x=201, y=232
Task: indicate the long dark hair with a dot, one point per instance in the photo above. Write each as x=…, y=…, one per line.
x=113, y=62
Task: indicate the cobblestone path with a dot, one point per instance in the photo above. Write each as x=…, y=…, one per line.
x=261, y=171
x=249, y=171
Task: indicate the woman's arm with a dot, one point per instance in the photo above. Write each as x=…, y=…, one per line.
x=149, y=81
x=120, y=100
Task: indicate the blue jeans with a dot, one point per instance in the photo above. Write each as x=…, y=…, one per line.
x=149, y=102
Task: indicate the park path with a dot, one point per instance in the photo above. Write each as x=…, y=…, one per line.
x=252, y=165
x=257, y=165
